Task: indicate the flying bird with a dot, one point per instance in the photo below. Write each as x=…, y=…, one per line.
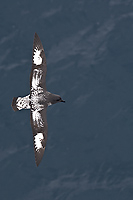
x=38, y=100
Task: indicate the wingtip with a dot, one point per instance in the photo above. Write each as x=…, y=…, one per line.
x=35, y=34
x=38, y=158
x=37, y=42
x=37, y=164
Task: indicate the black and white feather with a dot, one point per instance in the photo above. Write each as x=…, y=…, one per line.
x=38, y=100
x=40, y=130
x=39, y=66
x=38, y=108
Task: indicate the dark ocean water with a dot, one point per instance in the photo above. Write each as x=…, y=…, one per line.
x=89, y=51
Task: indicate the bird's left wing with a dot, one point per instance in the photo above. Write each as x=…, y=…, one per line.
x=39, y=66
x=39, y=129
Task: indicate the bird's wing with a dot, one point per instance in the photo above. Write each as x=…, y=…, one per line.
x=39, y=129
x=37, y=89
x=39, y=66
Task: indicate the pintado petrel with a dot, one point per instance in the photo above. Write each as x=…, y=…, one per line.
x=38, y=99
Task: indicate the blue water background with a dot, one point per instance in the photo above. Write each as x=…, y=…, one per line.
x=89, y=51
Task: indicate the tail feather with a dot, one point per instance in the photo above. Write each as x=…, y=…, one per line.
x=19, y=103
x=14, y=106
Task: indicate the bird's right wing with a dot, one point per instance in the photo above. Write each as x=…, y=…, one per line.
x=40, y=130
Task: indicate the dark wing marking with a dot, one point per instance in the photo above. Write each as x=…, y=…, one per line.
x=39, y=65
x=40, y=130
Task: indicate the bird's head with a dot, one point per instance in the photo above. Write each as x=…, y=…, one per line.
x=55, y=99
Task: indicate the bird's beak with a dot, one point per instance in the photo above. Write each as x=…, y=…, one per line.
x=62, y=101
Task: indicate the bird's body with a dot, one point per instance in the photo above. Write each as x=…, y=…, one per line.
x=38, y=99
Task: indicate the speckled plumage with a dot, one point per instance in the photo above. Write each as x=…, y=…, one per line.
x=38, y=100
